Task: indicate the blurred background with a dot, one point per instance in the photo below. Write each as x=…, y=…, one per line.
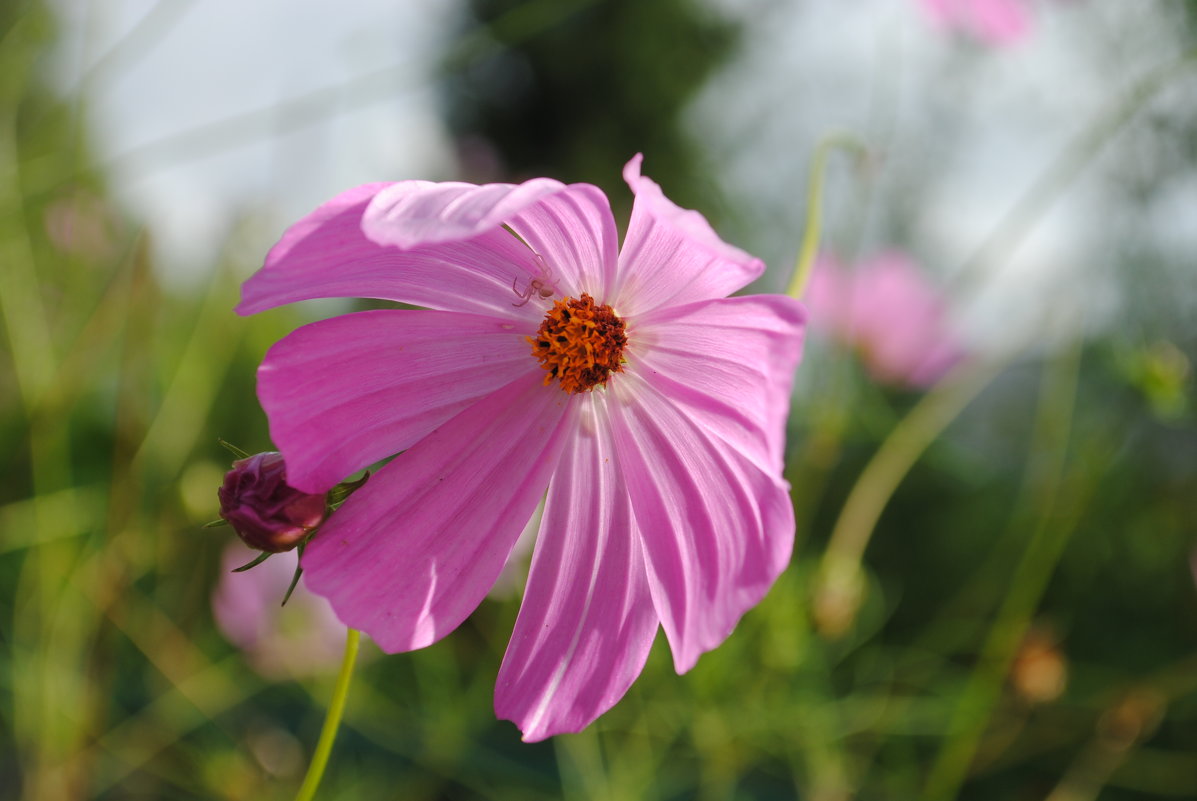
x=993, y=591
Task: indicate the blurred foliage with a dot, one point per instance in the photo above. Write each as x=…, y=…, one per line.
x=1023, y=625
x=607, y=81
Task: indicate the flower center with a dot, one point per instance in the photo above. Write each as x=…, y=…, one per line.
x=579, y=342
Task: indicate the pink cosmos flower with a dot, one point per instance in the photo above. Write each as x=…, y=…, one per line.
x=624, y=380
x=890, y=313
x=996, y=22
x=302, y=638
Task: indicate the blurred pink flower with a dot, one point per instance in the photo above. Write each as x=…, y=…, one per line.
x=650, y=404
x=302, y=638
x=996, y=22
x=890, y=313
x=81, y=224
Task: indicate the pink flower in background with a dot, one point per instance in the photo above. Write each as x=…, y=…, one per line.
x=890, y=313
x=650, y=404
x=996, y=22
x=83, y=225
x=302, y=638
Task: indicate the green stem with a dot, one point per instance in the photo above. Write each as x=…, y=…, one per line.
x=814, y=207
x=1055, y=520
x=892, y=461
x=332, y=721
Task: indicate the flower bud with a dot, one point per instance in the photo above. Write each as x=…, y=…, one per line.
x=268, y=514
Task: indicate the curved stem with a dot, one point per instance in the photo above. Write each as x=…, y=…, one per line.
x=838, y=587
x=332, y=720
x=1057, y=503
x=898, y=453
x=814, y=207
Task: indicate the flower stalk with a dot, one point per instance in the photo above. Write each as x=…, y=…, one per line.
x=838, y=586
x=332, y=720
x=809, y=248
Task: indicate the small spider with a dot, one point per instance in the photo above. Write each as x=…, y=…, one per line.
x=541, y=285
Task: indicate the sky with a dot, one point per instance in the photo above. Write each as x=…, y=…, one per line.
x=152, y=109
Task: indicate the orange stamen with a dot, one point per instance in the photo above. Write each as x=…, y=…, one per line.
x=580, y=343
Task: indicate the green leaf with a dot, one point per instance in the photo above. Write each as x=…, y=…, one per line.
x=338, y=494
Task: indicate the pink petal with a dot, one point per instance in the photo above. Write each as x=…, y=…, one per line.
x=326, y=254
x=570, y=227
x=301, y=638
x=937, y=361
x=899, y=320
x=828, y=295
x=998, y=22
x=716, y=530
x=343, y=393
x=575, y=233
x=410, y=214
x=411, y=554
x=671, y=256
x=587, y=621
x=890, y=312
x=240, y=607
x=735, y=369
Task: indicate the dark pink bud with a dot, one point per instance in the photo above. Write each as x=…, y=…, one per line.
x=268, y=514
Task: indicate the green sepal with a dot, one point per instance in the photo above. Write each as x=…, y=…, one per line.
x=295, y=578
x=338, y=494
x=217, y=523
x=262, y=557
x=233, y=449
